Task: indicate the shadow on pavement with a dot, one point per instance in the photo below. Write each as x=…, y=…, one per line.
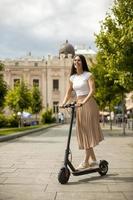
x=109, y=177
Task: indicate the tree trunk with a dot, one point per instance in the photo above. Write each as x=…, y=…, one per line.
x=110, y=118
x=103, y=120
x=123, y=115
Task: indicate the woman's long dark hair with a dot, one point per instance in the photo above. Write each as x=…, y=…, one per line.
x=84, y=65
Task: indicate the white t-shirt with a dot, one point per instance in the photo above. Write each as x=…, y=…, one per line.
x=80, y=83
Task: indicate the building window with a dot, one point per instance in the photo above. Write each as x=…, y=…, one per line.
x=56, y=84
x=16, y=63
x=16, y=81
x=36, y=82
x=36, y=64
x=55, y=106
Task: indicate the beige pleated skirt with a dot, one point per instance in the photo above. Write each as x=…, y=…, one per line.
x=88, y=129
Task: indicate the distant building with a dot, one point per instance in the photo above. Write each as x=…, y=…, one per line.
x=129, y=102
x=89, y=54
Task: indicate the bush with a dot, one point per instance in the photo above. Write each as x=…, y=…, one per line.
x=47, y=116
x=3, y=121
x=10, y=121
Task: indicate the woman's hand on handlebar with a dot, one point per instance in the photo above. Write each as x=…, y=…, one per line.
x=79, y=104
x=62, y=105
x=69, y=105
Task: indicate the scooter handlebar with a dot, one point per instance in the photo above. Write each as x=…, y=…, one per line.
x=71, y=105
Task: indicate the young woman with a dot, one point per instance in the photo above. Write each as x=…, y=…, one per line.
x=87, y=115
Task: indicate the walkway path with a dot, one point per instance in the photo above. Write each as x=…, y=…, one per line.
x=29, y=166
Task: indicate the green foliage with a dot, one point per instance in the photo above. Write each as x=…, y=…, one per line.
x=3, y=121
x=19, y=98
x=106, y=92
x=10, y=121
x=3, y=88
x=36, y=100
x=47, y=116
x=1, y=66
x=115, y=44
x=114, y=69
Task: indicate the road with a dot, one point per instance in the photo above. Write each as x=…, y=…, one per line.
x=29, y=167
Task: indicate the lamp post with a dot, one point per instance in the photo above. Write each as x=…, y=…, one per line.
x=19, y=117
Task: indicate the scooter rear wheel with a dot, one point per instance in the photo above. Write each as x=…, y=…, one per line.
x=103, y=167
x=63, y=175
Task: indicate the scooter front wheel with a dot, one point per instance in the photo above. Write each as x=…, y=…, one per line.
x=63, y=175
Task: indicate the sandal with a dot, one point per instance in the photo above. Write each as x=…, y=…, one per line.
x=94, y=164
x=83, y=165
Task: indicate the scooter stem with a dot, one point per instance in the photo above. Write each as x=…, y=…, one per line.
x=70, y=129
x=67, y=151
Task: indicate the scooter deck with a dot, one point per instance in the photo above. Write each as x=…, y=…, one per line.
x=85, y=171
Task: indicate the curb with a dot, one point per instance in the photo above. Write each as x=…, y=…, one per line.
x=23, y=133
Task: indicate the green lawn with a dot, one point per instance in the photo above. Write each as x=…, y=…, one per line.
x=6, y=131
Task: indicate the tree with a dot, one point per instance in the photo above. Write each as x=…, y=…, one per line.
x=19, y=98
x=36, y=101
x=115, y=47
x=3, y=88
x=106, y=91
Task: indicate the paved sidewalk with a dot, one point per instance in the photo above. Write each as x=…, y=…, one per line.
x=29, y=167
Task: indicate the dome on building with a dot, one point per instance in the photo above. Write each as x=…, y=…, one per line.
x=66, y=49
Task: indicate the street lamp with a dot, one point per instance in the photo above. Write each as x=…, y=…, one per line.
x=19, y=117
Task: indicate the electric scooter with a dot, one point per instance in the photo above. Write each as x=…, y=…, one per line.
x=64, y=173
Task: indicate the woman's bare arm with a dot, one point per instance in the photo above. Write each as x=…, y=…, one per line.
x=68, y=93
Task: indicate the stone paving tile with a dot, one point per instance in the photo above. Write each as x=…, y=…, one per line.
x=122, y=171
x=74, y=187
x=48, y=166
x=2, y=180
x=3, y=169
x=128, y=195
x=89, y=196
x=123, y=187
x=28, y=196
x=32, y=172
x=18, y=188
x=6, y=165
x=27, y=180
x=26, y=173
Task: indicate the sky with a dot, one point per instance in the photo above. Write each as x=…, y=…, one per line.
x=42, y=26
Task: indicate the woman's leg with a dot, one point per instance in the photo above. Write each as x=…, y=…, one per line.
x=93, y=157
x=89, y=155
x=89, y=158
